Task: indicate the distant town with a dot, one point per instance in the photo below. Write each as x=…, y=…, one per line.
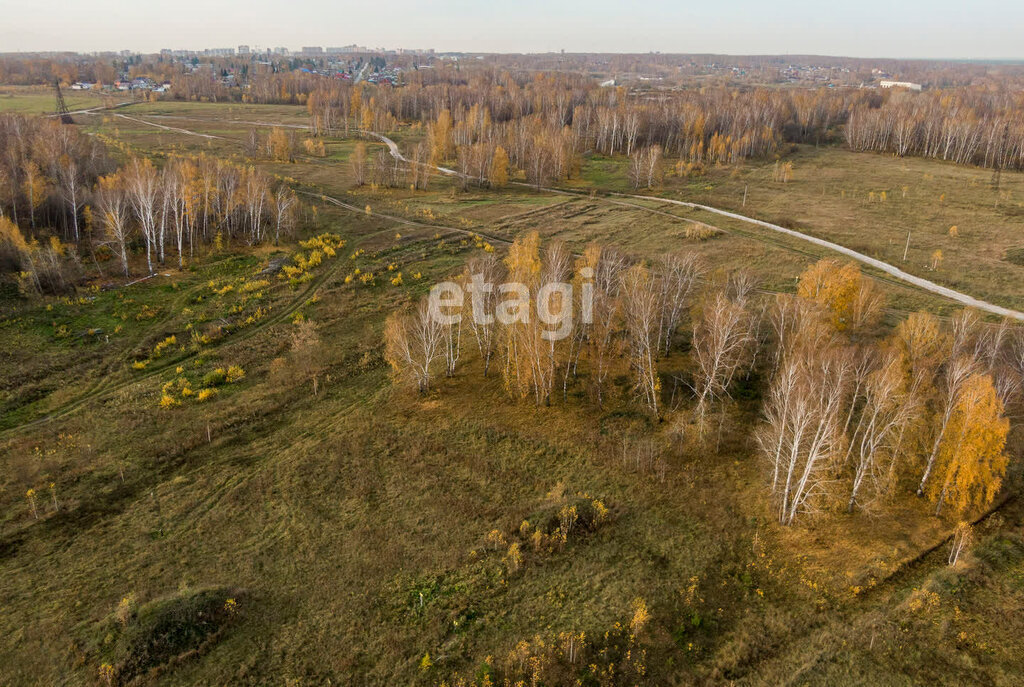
x=230, y=67
x=351, y=62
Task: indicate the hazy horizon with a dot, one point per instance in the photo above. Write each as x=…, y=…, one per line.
x=988, y=30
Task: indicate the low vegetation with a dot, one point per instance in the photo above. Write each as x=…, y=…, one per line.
x=236, y=448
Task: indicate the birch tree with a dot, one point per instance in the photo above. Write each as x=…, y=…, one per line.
x=802, y=433
x=971, y=462
x=882, y=411
x=142, y=183
x=523, y=265
x=413, y=344
x=115, y=214
x=640, y=310
x=956, y=374
x=602, y=340
x=480, y=278
x=678, y=275
x=284, y=211
x=256, y=190
x=722, y=342
x=358, y=163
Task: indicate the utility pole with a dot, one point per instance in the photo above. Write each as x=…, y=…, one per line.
x=62, y=107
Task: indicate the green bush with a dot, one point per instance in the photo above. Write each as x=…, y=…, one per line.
x=215, y=378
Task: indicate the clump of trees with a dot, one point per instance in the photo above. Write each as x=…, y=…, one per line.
x=850, y=299
x=645, y=170
x=190, y=202
x=40, y=267
x=852, y=423
x=413, y=345
x=46, y=173
x=52, y=178
x=278, y=144
x=526, y=314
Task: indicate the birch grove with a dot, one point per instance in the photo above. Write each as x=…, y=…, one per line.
x=850, y=419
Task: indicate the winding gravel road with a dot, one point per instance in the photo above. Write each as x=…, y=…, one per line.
x=885, y=267
x=891, y=270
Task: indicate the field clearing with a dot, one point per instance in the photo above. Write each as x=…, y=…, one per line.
x=776, y=260
x=225, y=112
x=338, y=533
x=355, y=523
x=33, y=100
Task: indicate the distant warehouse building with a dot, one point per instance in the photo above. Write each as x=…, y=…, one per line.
x=900, y=84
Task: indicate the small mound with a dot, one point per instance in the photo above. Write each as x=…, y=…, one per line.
x=166, y=630
x=549, y=519
x=1015, y=256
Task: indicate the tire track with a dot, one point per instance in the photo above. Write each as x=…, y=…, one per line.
x=103, y=390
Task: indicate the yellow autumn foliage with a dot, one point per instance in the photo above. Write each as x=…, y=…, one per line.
x=851, y=300
x=971, y=460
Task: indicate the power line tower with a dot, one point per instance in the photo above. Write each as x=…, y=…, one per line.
x=62, y=107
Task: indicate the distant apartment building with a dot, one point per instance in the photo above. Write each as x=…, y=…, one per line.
x=312, y=50
x=347, y=49
x=900, y=84
x=243, y=50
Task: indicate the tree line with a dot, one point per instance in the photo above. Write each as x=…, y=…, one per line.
x=965, y=126
x=636, y=310
x=545, y=125
x=977, y=124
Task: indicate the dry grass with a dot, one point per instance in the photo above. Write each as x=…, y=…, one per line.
x=838, y=195
x=33, y=100
x=357, y=521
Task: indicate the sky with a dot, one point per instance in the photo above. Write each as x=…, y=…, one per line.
x=978, y=29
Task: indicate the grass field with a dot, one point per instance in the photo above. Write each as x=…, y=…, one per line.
x=351, y=529
x=34, y=100
x=838, y=195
